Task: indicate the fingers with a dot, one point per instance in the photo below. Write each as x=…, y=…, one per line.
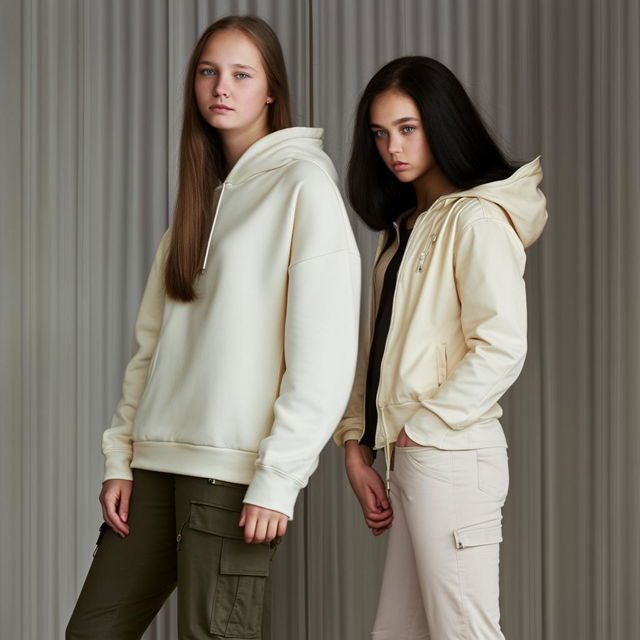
x=380, y=524
x=380, y=493
x=377, y=517
x=262, y=525
x=250, y=521
x=111, y=496
x=123, y=508
x=272, y=529
x=261, y=530
x=282, y=526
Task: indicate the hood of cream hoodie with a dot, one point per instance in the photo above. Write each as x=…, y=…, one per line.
x=247, y=382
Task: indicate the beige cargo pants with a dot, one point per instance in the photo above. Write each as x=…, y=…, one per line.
x=441, y=571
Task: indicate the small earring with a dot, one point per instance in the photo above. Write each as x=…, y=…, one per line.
x=268, y=101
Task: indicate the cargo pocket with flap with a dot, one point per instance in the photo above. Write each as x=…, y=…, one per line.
x=477, y=535
x=242, y=573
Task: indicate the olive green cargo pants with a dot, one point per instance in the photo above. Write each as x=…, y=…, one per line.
x=183, y=531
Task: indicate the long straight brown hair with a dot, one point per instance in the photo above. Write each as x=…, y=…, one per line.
x=202, y=164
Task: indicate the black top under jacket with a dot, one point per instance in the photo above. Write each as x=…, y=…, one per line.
x=383, y=320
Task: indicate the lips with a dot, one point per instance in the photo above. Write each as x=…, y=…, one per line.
x=398, y=166
x=222, y=108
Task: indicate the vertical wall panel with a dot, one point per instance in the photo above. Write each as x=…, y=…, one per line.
x=12, y=335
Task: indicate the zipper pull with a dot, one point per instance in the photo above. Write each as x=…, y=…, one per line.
x=422, y=257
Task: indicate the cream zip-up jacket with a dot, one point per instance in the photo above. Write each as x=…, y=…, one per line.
x=458, y=334
x=247, y=383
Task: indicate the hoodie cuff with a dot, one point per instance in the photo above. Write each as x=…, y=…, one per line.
x=117, y=466
x=424, y=422
x=272, y=490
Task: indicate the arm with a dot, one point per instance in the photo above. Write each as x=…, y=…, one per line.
x=489, y=264
x=320, y=344
x=116, y=440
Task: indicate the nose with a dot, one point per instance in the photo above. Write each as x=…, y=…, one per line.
x=395, y=145
x=220, y=88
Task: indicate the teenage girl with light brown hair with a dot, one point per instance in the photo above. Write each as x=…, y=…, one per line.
x=245, y=347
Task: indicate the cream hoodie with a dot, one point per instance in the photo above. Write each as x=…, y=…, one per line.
x=247, y=383
x=458, y=334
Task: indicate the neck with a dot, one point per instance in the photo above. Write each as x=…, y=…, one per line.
x=235, y=143
x=429, y=187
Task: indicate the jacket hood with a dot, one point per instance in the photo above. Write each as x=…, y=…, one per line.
x=279, y=148
x=519, y=196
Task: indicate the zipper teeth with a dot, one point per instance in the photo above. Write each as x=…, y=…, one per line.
x=393, y=312
x=213, y=224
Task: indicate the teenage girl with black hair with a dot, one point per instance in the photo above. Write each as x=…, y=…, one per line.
x=448, y=338
x=245, y=348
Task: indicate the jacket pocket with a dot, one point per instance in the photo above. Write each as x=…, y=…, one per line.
x=477, y=535
x=240, y=590
x=441, y=362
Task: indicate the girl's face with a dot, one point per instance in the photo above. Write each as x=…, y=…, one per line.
x=400, y=137
x=231, y=84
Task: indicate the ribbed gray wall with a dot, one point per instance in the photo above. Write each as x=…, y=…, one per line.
x=91, y=108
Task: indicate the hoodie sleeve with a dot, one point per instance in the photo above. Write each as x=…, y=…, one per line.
x=116, y=440
x=320, y=344
x=489, y=264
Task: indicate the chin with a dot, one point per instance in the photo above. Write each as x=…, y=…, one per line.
x=404, y=177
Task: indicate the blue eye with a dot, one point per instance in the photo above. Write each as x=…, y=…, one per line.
x=241, y=75
x=407, y=129
x=207, y=72
x=379, y=133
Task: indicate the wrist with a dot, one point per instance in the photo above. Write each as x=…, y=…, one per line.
x=357, y=454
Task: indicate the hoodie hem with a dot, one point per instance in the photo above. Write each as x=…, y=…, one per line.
x=200, y=461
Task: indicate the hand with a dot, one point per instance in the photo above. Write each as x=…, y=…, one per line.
x=114, y=498
x=405, y=441
x=262, y=525
x=368, y=487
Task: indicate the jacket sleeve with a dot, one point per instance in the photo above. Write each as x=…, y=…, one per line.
x=489, y=264
x=320, y=346
x=116, y=440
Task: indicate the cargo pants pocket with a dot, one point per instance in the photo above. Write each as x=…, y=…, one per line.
x=240, y=591
x=477, y=535
x=242, y=573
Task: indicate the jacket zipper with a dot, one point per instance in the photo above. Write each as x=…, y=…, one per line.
x=425, y=252
x=432, y=237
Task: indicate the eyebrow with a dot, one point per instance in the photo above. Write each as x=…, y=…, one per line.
x=237, y=65
x=398, y=121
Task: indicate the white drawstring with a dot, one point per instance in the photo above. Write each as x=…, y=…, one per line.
x=387, y=459
x=213, y=224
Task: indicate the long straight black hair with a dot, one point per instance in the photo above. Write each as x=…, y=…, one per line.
x=459, y=141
